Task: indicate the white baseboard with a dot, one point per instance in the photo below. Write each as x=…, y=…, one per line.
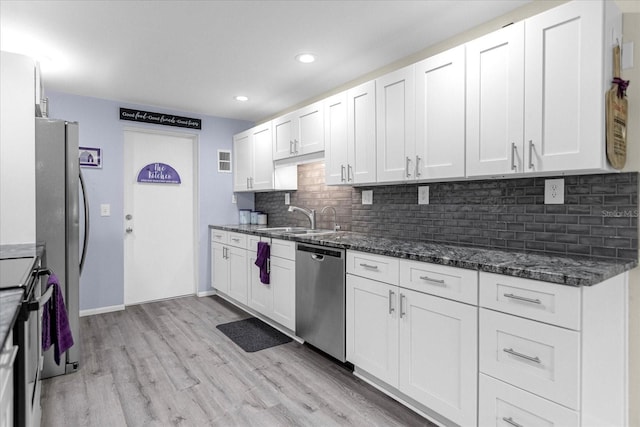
x=206, y=293
x=101, y=310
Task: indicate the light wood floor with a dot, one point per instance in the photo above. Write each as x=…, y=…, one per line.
x=165, y=363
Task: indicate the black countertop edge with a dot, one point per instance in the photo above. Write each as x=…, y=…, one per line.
x=564, y=270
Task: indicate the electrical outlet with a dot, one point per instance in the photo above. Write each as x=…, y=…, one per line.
x=423, y=195
x=367, y=197
x=105, y=209
x=554, y=191
x=287, y=198
x=234, y=198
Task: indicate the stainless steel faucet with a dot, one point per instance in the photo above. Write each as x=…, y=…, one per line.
x=310, y=213
x=336, y=227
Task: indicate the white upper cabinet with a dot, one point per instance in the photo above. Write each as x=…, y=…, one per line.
x=567, y=50
x=242, y=160
x=495, y=102
x=361, y=133
x=535, y=92
x=336, y=155
x=395, y=120
x=253, y=168
x=440, y=101
x=350, y=136
x=300, y=132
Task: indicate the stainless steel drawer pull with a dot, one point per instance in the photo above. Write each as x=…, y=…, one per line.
x=513, y=156
x=523, y=356
x=519, y=298
x=391, y=294
x=530, y=154
x=510, y=421
x=402, y=312
x=342, y=179
x=235, y=239
x=373, y=267
x=429, y=279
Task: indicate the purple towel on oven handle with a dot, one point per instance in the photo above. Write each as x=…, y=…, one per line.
x=55, y=323
x=262, y=261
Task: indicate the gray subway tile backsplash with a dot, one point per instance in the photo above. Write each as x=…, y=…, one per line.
x=599, y=217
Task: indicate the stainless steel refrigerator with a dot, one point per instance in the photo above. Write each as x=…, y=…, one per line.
x=59, y=193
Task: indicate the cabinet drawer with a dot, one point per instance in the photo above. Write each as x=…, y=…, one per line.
x=219, y=236
x=283, y=249
x=252, y=244
x=376, y=267
x=238, y=240
x=537, y=357
x=503, y=405
x=444, y=281
x=533, y=299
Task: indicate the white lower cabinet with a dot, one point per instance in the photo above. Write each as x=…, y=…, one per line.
x=7, y=362
x=229, y=264
x=422, y=345
x=275, y=300
x=502, y=405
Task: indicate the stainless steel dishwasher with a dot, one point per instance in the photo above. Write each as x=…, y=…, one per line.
x=320, y=298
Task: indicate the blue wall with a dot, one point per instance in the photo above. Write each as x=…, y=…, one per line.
x=102, y=282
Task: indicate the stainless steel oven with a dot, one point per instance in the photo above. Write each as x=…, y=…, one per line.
x=25, y=273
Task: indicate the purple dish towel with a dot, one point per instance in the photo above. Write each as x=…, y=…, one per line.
x=55, y=323
x=262, y=261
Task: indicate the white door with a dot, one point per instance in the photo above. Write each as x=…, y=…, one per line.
x=283, y=131
x=160, y=225
x=310, y=132
x=361, y=133
x=283, y=279
x=563, y=88
x=262, y=157
x=335, y=139
x=440, y=116
x=495, y=102
x=372, y=327
x=438, y=354
x=395, y=114
x=242, y=161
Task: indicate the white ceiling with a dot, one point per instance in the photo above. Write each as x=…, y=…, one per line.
x=195, y=56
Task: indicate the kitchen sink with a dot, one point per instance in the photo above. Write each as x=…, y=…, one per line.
x=298, y=231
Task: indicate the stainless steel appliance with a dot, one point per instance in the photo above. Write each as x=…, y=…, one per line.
x=58, y=177
x=23, y=273
x=320, y=298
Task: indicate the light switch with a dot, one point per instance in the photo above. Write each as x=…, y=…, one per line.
x=367, y=197
x=105, y=209
x=287, y=198
x=234, y=198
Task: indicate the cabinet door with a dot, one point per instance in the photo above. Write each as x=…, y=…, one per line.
x=372, y=327
x=219, y=268
x=260, y=296
x=564, y=88
x=438, y=354
x=361, y=136
x=237, y=260
x=335, y=139
x=310, y=130
x=440, y=100
x=495, y=102
x=283, y=282
x=242, y=161
x=283, y=135
x=262, y=178
x=395, y=119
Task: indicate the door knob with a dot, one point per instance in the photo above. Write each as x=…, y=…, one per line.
x=129, y=230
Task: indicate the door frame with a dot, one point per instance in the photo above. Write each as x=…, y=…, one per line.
x=195, y=141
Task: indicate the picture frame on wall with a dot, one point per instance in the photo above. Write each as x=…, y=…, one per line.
x=90, y=157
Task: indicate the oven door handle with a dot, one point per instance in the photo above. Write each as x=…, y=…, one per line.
x=37, y=305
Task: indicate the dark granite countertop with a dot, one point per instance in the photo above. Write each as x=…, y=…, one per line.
x=10, y=298
x=555, y=269
x=9, y=306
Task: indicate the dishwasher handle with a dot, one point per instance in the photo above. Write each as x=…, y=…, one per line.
x=320, y=252
x=317, y=257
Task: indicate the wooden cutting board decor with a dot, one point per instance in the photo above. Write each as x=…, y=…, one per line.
x=616, y=116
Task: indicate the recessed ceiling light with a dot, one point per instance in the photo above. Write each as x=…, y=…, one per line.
x=241, y=98
x=305, y=58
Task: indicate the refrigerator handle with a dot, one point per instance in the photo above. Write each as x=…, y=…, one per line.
x=86, y=221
